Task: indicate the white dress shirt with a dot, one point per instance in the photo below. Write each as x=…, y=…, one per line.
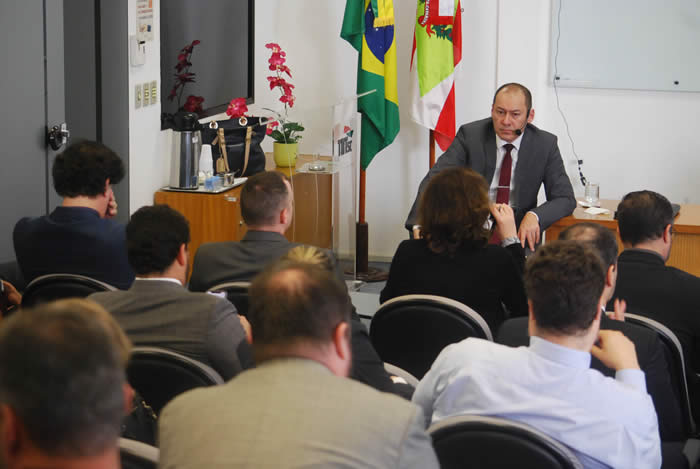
x=606, y=422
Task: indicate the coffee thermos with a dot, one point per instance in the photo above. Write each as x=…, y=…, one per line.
x=186, y=146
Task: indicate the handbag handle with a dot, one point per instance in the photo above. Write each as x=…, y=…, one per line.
x=221, y=141
x=248, y=135
x=222, y=162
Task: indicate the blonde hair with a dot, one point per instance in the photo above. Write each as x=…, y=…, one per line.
x=310, y=255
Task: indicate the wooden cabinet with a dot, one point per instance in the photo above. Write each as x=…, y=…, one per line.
x=217, y=217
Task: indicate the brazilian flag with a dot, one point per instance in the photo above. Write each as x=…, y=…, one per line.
x=368, y=25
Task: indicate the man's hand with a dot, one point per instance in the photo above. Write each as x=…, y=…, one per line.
x=619, y=313
x=11, y=293
x=111, y=207
x=615, y=351
x=416, y=232
x=246, y=327
x=505, y=221
x=529, y=231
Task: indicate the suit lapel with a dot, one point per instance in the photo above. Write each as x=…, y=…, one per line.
x=490, y=152
x=520, y=173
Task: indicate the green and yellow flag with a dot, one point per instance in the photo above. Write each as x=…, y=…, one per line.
x=368, y=25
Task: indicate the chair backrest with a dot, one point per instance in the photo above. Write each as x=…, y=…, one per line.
x=394, y=370
x=236, y=293
x=57, y=286
x=137, y=455
x=676, y=363
x=410, y=331
x=159, y=375
x=497, y=443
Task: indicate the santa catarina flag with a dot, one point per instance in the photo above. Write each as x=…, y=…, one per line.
x=368, y=25
x=437, y=49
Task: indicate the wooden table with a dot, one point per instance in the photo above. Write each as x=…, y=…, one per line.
x=217, y=217
x=685, y=250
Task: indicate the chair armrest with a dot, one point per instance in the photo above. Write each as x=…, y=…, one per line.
x=691, y=450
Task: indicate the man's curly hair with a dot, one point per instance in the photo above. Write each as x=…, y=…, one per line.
x=83, y=169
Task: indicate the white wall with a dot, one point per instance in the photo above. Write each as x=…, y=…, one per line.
x=149, y=162
x=629, y=140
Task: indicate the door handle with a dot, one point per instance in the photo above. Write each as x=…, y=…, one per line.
x=58, y=136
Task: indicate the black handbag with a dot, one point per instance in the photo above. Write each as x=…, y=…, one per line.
x=235, y=145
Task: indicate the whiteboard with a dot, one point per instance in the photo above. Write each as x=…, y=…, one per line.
x=626, y=44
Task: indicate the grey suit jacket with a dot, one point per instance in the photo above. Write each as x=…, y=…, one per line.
x=539, y=161
x=232, y=261
x=198, y=325
x=292, y=413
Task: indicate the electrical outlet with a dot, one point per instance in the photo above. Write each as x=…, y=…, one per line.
x=146, y=94
x=154, y=92
x=138, y=98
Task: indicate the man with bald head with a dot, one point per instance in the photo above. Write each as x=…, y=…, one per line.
x=516, y=158
x=297, y=407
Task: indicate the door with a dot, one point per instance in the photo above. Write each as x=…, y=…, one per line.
x=32, y=96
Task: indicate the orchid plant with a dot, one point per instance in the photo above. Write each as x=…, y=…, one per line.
x=287, y=132
x=182, y=78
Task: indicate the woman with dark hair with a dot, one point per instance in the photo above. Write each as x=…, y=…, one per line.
x=454, y=258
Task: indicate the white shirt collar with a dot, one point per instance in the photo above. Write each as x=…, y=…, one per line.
x=160, y=279
x=516, y=143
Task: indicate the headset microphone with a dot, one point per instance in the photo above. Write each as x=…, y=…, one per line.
x=519, y=132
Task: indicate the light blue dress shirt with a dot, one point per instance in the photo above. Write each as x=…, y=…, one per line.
x=606, y=422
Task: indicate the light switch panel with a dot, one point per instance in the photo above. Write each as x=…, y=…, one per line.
x=138, y=98
x=146, y=94
x=154, y=91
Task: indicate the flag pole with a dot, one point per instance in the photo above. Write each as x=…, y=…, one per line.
x=362, y=232
x=431, y=146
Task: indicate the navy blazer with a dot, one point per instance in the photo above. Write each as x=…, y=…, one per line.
x=73, y=240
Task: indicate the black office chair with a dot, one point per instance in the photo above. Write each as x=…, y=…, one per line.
x=676, y=363
x=394, y=370
x=137, y=455
x=58, y=286
x=236, y=293
x=159, y=375
x=410, y=331
x=494, y=443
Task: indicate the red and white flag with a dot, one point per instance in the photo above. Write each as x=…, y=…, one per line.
x=437, y=50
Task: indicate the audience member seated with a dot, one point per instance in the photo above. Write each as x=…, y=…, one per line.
x=78, y=237
x=140, y=423
x=267, y=207
x=549, y=385
x=454, y=259
x=651, y=288
x=63, y=390
x=158, y=311
x=650, y=354
x=367, y=367
x=296, y=408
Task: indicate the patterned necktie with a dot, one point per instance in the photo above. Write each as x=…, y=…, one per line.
x=503, y=191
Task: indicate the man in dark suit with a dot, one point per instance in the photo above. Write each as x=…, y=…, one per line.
x=515, y=158
x=79, y=237
x=158, y=311
x=650, y=287
x=649, y=350
x=267, y=208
